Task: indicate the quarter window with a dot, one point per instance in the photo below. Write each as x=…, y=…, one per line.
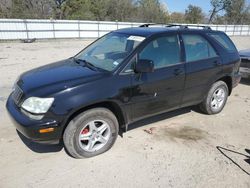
x=224, y=40
x=197, y=48
x=163, y=51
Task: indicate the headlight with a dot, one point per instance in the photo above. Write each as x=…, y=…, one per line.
x=37, y=105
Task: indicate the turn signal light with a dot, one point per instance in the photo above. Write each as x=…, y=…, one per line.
x=46, y=130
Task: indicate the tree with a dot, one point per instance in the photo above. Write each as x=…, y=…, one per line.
x=219, y=19
x=5, y=9
x=44, y=8
x=78, y=9
x=18, y=9
x=1, y=13
x=237, y=12
x=59, y=9
x=177, y=17
x=217, y=6
x=194, y=14
x=152, y=11
x=31, y=9
x=100, y=8
x=121, y=10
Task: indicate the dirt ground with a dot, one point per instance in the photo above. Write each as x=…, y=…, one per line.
x=186, y=148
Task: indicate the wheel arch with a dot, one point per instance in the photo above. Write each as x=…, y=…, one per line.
x=228, y=80
x=111, y=105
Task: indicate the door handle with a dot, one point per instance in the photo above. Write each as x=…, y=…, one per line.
x=177, y=72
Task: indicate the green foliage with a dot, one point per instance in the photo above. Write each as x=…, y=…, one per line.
x=112, y=10
x=217, y=6
x=31, y=9
x=237, y=12
x=58, y=9
x=177, y=17
x=116, y=10
x=78, y=9
x=234, y=12
x=1, y=12
x=100, y=9
x=18, y=9
x=152, y=11
x=194, y=14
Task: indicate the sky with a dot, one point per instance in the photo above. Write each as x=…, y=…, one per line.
x=181, y=5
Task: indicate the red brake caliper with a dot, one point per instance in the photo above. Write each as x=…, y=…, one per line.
x=85, y=131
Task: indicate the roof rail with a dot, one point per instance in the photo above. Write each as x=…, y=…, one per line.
x=149, y=24
x=188, y=25
x=177, y=25
x=183, y=26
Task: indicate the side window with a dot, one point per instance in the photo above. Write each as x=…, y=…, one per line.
x=163, y=51
x=224, y=40
x=197, y=48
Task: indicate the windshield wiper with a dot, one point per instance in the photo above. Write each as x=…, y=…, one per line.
x=86, y=63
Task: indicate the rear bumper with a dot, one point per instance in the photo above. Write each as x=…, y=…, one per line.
x=30, y=128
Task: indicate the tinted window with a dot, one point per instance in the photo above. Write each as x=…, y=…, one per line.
x=197, y=48
x=224, y=41
x=163, y=51
x=109, y=51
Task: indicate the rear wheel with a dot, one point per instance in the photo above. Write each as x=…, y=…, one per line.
x=91, y=133
x=216, y=98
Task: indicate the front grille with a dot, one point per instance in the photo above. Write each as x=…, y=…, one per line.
x=245, y=63
x=17, y=94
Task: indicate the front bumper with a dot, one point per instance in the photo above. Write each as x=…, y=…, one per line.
x=30, y=128
x=245, y=72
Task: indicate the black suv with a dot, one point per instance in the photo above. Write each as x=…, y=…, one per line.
x=126, y=75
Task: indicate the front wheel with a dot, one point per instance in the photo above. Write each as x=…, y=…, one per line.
x=216, y=98
x=91, y=133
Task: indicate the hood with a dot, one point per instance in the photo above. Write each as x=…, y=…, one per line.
x=56, y=77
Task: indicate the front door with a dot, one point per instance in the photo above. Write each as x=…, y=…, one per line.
x=162, y=89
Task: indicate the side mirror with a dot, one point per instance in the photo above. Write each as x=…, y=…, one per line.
x=144, y=65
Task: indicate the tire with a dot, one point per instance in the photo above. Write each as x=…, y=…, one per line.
x=215, y=101
x=91, y=133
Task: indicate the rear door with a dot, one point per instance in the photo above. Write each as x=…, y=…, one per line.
x=162, y=89
x=203, y=64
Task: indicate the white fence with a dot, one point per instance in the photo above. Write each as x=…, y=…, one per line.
x=46, y=29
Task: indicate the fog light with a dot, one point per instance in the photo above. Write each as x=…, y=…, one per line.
x=46, y=130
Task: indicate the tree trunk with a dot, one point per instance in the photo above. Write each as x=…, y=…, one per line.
x=212, y=16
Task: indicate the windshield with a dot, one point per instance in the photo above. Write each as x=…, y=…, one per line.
x=109, y=51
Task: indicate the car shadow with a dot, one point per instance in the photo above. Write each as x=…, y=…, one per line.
x=161, y=117
x=40, y=148
x=247, y=160
x=245, y=81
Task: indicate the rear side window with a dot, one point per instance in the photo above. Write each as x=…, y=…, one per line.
x=224, y=41
x=197, y=48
